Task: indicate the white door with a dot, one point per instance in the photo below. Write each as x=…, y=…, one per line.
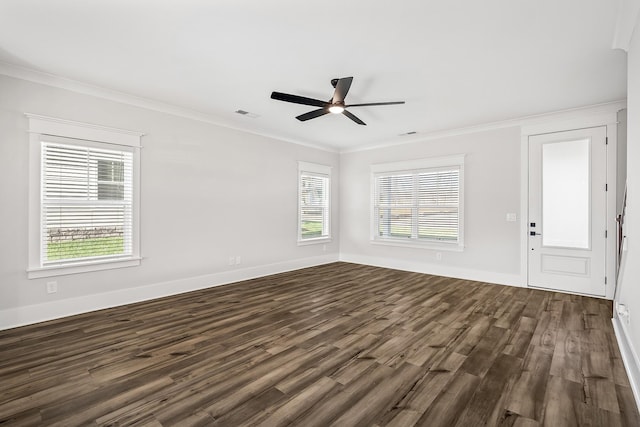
x=567, y=211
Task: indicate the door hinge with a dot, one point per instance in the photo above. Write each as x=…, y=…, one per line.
x=606, y=233
x=606, y=140
x=606, y=187
x=605, y=280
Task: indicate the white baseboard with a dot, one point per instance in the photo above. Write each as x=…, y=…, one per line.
x=20, y=316
x=436, y=269
x=629, y=357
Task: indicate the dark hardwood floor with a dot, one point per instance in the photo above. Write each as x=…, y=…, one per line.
x=340, y=344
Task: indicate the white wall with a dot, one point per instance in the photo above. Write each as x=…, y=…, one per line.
x=201, y=187
x=628, y=327
x=208, y=192
x=491, y=190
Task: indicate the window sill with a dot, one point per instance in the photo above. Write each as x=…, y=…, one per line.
x=315, y=241
x=451, y=247
x=81, y=267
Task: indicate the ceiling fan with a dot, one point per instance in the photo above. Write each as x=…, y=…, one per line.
x=335, y=105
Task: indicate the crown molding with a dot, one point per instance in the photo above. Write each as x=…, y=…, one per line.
x=23, y=73
x=48, y=79
x=561, y=115
x=628, y=14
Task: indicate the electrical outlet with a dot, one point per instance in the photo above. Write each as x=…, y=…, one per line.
x=52, y=287
x=232, y=260
x=511, y=217
x=238, y=260
x=439, y=256
x=623, y=313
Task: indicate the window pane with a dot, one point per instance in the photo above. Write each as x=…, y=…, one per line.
x=438, y=224
x=438, y=197
x=313, y=206
x=75, y=232
x=312, y=220
x=313, y=190
x=565, y=194
x=394, y=222
x=74, y=172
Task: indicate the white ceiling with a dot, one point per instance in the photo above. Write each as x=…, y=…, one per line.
x=455, y=63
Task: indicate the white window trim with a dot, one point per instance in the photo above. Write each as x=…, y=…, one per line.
x=43, y=125
x=314, y=168
x=410, y=166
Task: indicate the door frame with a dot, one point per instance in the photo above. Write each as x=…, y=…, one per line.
x=604, y=115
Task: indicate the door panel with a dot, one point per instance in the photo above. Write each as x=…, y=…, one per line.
x=567, y=211
x=579, y=266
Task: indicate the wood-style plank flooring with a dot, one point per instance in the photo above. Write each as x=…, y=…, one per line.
x=340, y=344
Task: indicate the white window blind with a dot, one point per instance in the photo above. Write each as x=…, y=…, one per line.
x=438, y=201
x=86, y=201
x=419, y=205
x=313, y=203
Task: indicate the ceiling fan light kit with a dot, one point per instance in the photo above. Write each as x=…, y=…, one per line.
x=335, y=105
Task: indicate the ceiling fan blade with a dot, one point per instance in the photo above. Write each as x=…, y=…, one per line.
x=342, y=88
x=297, y=99
x=375, y=103
x=312, y=114
x=354, y=118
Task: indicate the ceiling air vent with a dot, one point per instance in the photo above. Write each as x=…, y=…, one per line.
x=247, y=113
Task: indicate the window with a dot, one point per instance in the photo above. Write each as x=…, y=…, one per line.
x=313, y=203
x=86, y=202
x=83, y=197
x=419, y=202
